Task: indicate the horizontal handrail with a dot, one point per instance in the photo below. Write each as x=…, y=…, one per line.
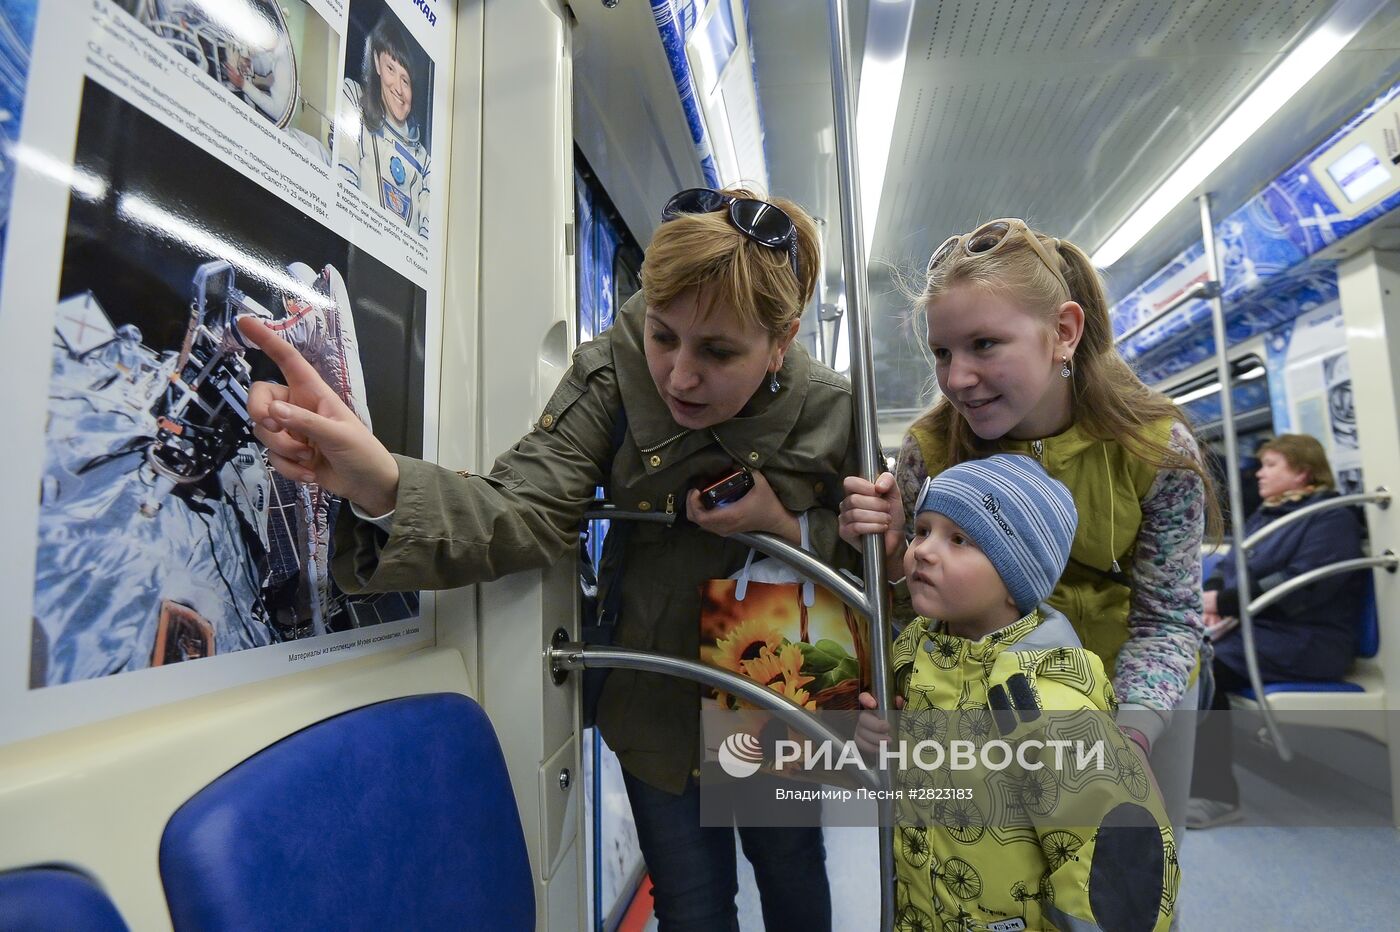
x=1198, y=291
x=1380, y=498
x=601, y=511
x=1387, y=561
x=575, y=656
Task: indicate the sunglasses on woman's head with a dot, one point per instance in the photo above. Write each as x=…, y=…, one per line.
x=759, y=220
x=990, y=237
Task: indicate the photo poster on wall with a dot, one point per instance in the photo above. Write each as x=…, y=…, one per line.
x=1318, y=387
x=194, y=162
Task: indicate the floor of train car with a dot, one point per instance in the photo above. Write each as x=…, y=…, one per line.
x=1252, y=874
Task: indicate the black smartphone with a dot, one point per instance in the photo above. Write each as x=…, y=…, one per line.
x=727, y=490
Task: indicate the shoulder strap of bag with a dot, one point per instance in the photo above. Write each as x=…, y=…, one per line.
x=617, y=531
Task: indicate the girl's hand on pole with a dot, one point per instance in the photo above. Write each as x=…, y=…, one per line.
x=311, y=435
x=874, y=508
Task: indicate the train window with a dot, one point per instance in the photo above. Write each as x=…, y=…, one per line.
x=1254, y=423
x=627, y=271
x=1200, y=399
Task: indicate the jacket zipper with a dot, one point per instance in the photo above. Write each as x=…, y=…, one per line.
x=670, y=503
x=1038, y=448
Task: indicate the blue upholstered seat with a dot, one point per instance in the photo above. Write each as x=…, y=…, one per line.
x=52, y=899
x=1304, y=686
x=397, y=815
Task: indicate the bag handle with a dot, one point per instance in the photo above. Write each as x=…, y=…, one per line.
x=809, y=589
x=742, y=589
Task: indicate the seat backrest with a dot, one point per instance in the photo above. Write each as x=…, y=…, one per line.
x=1368, y=632
x=397, y=815
x=1209, y=562
x=54, y=899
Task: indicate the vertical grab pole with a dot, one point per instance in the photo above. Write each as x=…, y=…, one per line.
x=863, y=379
x=1232, y=466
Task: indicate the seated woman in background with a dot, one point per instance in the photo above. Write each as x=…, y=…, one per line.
x=1310, y=635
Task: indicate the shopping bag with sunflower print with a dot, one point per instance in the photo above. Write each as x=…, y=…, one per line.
x=791, y=635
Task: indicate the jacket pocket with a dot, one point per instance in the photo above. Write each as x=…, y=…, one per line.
x=567, y=392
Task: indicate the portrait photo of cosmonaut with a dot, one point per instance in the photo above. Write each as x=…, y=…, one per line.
x=280, y=58
x=164, y=536
x=382, y=128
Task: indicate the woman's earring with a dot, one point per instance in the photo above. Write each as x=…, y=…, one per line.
x=1064, y=368
x=773, y=382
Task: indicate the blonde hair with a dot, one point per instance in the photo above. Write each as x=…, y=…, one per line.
x=755, y=280
x=1110, y=401
x=1303, y=453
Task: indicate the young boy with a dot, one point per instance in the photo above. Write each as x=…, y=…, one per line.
x=1055, y=846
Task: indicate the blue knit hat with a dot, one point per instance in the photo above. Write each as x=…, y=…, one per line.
x=1022, y=519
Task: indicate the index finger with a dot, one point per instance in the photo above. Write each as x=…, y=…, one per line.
x=294, y=366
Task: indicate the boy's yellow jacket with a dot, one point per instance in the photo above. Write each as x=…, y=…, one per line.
x=1069, y=847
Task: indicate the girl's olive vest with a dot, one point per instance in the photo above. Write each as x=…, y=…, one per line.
x=1108, y=484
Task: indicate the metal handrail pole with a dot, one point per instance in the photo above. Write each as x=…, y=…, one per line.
x=1387, y=561
x=576, y=656
x=819, y=294
x=863, y=381
x=1380, y=498
x=1198, y=290
x=1232, y=472
x=858, y=313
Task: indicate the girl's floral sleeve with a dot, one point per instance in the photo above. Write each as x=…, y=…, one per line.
x=1165, y=627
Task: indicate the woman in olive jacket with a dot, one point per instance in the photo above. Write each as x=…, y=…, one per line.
x=703, y=365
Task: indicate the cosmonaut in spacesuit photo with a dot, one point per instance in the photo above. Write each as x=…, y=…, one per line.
x=247, y=46
x=163, y=535
x=380, y=147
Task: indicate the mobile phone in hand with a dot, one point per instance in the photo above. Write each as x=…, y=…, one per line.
x=727, y=490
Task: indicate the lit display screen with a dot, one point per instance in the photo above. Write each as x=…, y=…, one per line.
x=1359, y=172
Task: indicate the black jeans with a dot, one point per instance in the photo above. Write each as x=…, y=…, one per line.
x=1212, y=776
x=693, y=870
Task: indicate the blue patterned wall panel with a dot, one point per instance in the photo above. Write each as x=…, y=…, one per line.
x=675, y=20
x=1268, y=278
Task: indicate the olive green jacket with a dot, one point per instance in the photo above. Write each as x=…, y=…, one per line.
x=452, y=530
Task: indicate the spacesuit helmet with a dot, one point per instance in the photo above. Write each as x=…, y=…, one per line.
x=294, y=300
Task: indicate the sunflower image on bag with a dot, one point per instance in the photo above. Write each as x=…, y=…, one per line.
x=797, y=638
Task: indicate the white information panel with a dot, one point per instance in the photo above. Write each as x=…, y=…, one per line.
x=1363, y=168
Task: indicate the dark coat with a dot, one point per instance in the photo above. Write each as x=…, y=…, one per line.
x=1311, y=634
